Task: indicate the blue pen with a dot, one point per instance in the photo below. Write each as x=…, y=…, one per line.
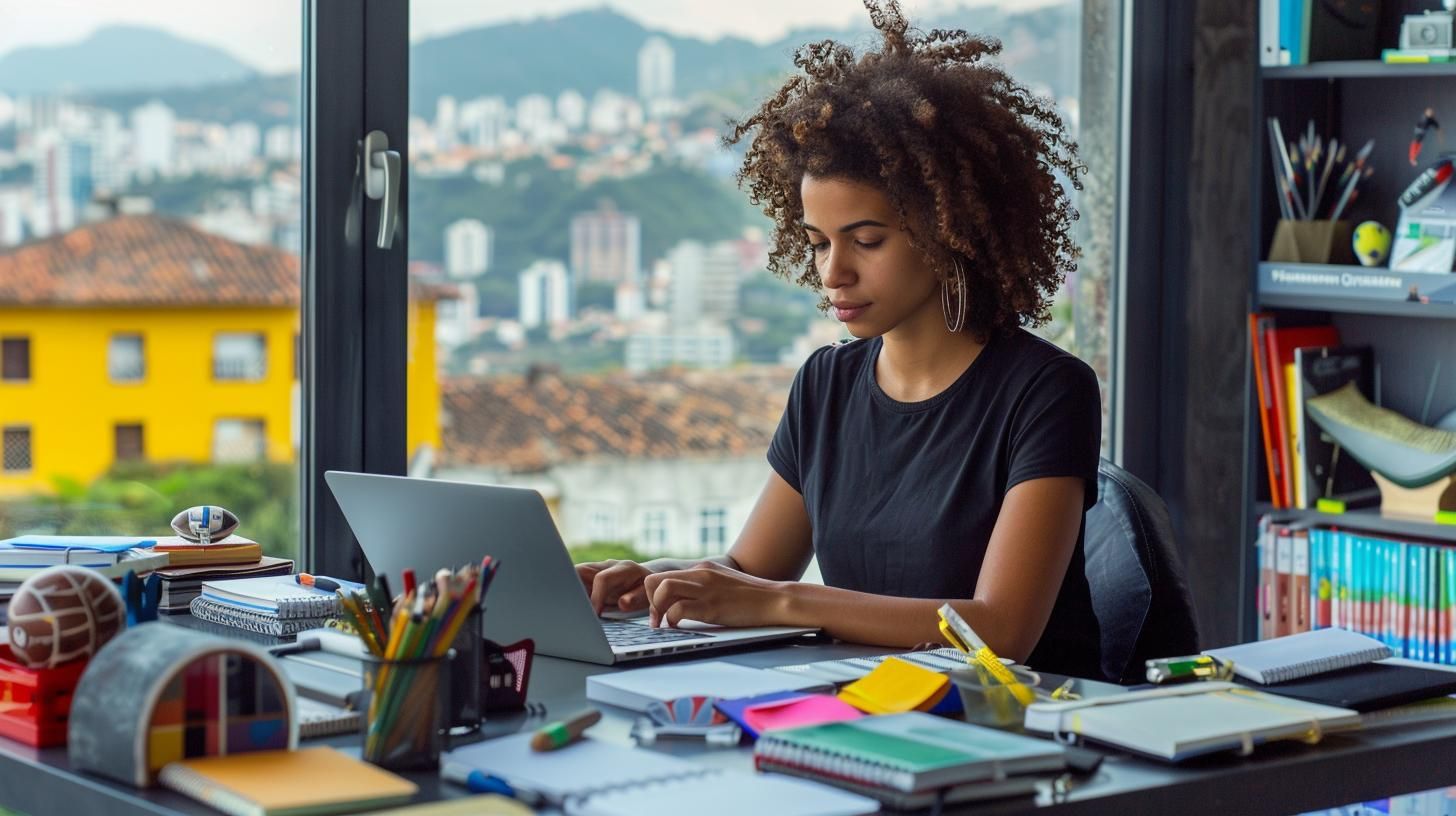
x=479, y=782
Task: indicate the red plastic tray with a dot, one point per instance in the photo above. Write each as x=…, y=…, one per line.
x=35, y=703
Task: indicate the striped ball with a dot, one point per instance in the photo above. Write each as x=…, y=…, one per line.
x=63, y=613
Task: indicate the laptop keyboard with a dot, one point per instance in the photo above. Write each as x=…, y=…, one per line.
x=621, y=633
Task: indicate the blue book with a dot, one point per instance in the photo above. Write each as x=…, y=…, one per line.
x=79, y=542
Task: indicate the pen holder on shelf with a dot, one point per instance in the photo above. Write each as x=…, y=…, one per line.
x=990, y=702
x=465, y=712
x=1315, y=242
x=407, y=711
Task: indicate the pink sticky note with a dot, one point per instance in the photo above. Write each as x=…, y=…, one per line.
x=812, y=709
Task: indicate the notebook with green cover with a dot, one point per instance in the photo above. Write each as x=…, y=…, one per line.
x=908, y=752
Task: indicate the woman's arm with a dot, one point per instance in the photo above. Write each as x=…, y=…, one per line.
x=1025, y=563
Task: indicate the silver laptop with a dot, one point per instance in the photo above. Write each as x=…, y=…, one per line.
x=425, y=524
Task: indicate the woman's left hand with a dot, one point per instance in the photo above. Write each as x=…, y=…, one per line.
x=713, y=593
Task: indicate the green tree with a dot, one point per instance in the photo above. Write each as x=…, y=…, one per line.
x=605, y=550
x=142, y=498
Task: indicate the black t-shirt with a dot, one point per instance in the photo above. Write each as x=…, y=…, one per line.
x=902, y=496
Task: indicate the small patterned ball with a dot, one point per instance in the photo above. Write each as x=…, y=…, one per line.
x=63, y=613
x=1371, y=243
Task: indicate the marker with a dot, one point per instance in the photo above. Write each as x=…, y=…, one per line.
x=565, y=732
x=317, y=582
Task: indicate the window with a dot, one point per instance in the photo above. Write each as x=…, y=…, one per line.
x=124, y=358
x=15, y=359
x=17, y=450
x=129, y=444
x=239, y=356
x=239, y=440
x=602, y=524
x=584, y=180
x=654, y=532
x=712, y=531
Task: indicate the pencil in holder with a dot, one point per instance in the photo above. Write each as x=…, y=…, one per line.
x=407, y=711
x=466, y=711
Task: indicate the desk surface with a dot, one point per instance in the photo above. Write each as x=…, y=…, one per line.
x=1281, y=778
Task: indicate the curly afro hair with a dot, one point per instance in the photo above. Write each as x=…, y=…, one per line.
x=966, y=155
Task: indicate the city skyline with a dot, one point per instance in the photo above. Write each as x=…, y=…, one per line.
x=264, y=33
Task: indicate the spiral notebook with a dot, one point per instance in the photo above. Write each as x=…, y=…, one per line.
x=277, y=595
x=249, y=621
x=1301, y=655
x=910, y=753
x=595, y=778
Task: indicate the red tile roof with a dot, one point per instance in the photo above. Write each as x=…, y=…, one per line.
x=524, y=426
x=147, y=260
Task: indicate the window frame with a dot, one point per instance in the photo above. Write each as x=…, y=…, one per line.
x=141, y=441
x=111, y=341
x=217, y=359
x=355, y=76
x=29, y=449
x=720, y=529
x=29, y=368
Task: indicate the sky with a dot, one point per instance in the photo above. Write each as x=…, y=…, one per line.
x=265, y=33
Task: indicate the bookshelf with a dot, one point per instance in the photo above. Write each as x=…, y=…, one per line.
x=1414, y=342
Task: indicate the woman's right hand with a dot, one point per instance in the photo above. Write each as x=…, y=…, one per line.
x=614, y=584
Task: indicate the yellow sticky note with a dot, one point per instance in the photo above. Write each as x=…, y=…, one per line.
x=896, y=686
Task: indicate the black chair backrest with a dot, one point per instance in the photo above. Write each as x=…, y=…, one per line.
x=1138, y=590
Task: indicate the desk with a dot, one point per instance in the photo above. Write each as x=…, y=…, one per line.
x=1281, y=778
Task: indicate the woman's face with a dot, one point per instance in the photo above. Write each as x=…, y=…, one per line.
x=875, y=280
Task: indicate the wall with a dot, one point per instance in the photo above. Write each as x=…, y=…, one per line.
x=72, y=406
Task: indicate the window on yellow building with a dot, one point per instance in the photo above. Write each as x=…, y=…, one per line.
x=239, y=356
x=15, y=457
x=15, y=359
x=129, y=442
x=239, y=440
x=125, y=360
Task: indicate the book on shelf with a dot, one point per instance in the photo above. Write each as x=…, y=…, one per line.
x=1326, y=472
x=1279, y=347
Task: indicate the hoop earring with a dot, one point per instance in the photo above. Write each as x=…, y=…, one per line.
x=958, y=321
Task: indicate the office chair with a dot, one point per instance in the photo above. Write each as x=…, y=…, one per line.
x=1139, y=594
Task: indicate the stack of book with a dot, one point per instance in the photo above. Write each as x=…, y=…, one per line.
x=180, y=585
x=274, y=605
x=111, y=556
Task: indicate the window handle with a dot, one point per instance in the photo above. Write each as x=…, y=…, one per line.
x=381, y=183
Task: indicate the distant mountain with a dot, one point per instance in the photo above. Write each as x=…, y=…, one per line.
x=595, y=49
x=116, y=58
x=585, y=50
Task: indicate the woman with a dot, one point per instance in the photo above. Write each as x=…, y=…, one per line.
x=946, y=454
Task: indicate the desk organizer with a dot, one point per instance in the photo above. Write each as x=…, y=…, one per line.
x=36, y=703
x=158, y=693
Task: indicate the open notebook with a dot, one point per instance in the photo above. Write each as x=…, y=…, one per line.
x=1180, y=722
x=594, y=778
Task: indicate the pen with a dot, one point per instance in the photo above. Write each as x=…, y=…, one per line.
x=565, y=732
x=478, y=782
x=317, y=582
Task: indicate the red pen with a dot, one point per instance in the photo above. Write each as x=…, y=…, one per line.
x=409, y=581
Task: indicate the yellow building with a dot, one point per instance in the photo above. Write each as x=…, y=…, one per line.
x=142, y=337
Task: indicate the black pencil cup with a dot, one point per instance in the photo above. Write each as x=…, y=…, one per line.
x=465, y=710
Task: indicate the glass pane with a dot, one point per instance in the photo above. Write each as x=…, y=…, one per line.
x=608, y=333
x=150, y=210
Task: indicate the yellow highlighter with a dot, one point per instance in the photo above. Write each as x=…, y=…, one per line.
x=963, y=637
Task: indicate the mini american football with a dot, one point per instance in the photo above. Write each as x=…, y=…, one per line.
x=205, y=524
